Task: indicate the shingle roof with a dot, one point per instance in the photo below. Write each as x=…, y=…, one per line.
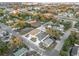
x=26, y=30
x=48, y=41
x=41, y=35
x=33, y=32
x=74, y=50
x=20, y=52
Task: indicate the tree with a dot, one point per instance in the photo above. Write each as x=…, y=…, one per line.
x=3, y=48
x=66, y=24
x=1, y=12
x=15, y=42
x=21, y=24
x=72, y=39
x=63, y=53
x=53, y=32
x=77, y=25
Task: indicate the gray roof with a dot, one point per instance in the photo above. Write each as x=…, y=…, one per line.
x=36, y=24
x=48, y=41
x=41, y=35
x=74, y=50
x=26, y=30
x=20, y=52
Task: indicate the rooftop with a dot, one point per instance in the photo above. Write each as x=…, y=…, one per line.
x=26, y=30
x=20, y=52
x=35, y=23
x=48, y=41
x=41, y=35
x=34, y=32
x=75, y=51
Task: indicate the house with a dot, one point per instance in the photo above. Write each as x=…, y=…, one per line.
x=36, y=36
x=5, y=36
x=48, y=41
x=26, y=30
x=32, y=53
x=34, y=32
x=48, y=15
x=52, y=25
x=57, y=27
x=74, y=51
x=41, y=35
x=21, y=52
x=34, y=23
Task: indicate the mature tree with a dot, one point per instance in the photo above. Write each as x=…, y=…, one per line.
x=3, y=48
x=1, y=12
x=53, y=32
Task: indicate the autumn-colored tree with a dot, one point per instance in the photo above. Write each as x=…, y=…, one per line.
x=53, y=32
x=15, y=42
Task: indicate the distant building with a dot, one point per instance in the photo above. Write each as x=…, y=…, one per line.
x=35, y=23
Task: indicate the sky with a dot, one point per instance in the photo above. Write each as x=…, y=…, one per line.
x=43, y=1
